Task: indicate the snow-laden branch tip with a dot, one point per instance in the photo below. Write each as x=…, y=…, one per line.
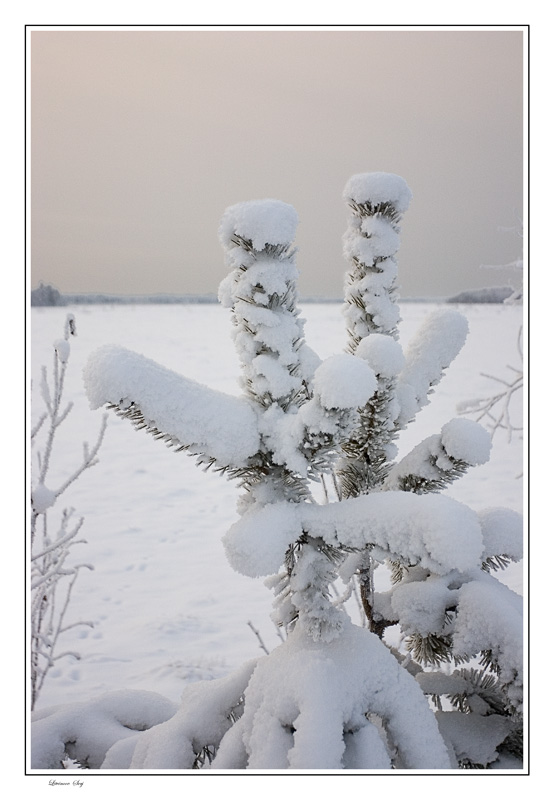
x=189, y=414
x=430, y=352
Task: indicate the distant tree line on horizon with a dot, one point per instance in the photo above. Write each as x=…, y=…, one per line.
x=48, y=295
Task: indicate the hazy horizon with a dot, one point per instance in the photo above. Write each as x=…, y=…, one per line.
x=141, y=138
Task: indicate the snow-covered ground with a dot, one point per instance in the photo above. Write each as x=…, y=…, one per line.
x=166, y=606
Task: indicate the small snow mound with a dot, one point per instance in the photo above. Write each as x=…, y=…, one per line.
x=383, y=354
x=91, y=728
x=378, y=187
x=260, y=221
x=344, y=381
x=466, y=440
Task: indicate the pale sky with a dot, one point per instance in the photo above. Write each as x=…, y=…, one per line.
x=140, y=140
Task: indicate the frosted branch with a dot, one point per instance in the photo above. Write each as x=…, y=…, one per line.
x=89, y=457
x=496, y=409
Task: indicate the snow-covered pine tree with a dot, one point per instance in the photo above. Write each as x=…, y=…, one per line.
x=334, y=695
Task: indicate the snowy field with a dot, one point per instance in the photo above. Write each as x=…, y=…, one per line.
x=166, y=606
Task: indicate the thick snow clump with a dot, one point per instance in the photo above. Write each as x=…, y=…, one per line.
x=259, y=221
x=466, y=440
x=435, y=531
x=502, y=533
x=378, y=187
x=344, y=381
x=383, y=354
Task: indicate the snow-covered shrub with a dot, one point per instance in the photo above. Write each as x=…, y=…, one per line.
x=335, y=695
x=52, y=577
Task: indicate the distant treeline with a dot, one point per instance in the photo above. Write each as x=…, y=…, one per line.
x=492, y=294
x=46, y=295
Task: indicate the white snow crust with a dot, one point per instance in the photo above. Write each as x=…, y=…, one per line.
x=202, y=719
x=322, y=691
x=421, y=605
x=256, y=544
x=436, y=531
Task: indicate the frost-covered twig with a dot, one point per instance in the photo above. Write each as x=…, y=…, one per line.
x=51, y=581
x=42, y=497
x=258, y=635
x=495, y=410
x=51, y=577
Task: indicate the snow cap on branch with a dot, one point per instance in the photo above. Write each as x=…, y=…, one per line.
x=344, y=381
x=466, y=440
x=377, y=188
x=42, y=498
x=433, y=530
x=62, y=350
x=257, y=543
x=260, y=221
x=502, y=533
x=383, y=354
x=421, y=605
x=490, y=618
